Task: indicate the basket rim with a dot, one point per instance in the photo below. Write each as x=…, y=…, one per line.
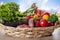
x=32, y=27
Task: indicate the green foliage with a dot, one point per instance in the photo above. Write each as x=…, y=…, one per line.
x=12, y=6
x=10, y=12
x=53, y=18
x=29, y=11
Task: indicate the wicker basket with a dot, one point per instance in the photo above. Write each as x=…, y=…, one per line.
x=28, y=32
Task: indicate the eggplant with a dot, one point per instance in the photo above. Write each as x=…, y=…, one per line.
x=15, y=23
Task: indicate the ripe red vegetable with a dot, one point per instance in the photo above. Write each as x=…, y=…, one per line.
x=37, y=24
x=43, y=22
x=45, y=13
x=28, y=17
x=39, y=12
x=50, y=24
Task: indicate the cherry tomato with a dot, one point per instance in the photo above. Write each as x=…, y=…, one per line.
x=43, y=22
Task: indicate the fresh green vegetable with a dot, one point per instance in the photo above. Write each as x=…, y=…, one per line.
x=53, y=18
x=29, y=11
x=10, y=12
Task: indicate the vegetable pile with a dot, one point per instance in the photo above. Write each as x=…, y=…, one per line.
x=32, y=17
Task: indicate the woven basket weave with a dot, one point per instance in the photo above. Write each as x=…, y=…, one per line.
x=28, y=32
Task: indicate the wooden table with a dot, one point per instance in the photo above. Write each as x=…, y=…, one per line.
x=43, y=38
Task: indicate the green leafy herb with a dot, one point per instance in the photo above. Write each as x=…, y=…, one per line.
x=10, y=12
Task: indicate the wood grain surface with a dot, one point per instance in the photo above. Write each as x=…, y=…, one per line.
x=5, y=37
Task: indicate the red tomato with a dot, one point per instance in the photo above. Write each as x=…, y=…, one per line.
x=43, y=22
x=45, y=13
